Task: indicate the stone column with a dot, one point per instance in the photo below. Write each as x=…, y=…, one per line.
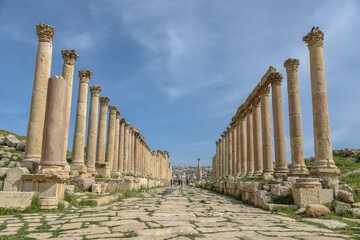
x=217, y=159
x=126, y=146
x=243, y=145
x=101, y=138
x=121, y=144
x=238, y=148
x=117, y=139
x=70, y=57
x=233, y=147
x=109, y=156
x=77, y=163
x=324, y=166
x=137, y=150
x=258, y=160
x=230, y=157
x=226, y=151
x=198, y=173
x=92, y=129
x=38, y=98
x=297, y=167
x=220, y=158
x=250, y=141
x=131, y=155
x=54, y=127
x=268, y=164
x=279, y=128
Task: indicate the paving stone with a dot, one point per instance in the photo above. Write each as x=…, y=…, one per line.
x=328, y=223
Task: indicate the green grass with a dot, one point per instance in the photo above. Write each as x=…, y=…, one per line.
x=353, y=180
x=347, y=164
x=129, y=234
x=192, y=236
x=5, y=133
x=283, y=199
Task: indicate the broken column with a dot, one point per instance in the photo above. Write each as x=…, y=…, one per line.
x=77, y=163
x=35, y=128
x=92, y=128
x=198, y=173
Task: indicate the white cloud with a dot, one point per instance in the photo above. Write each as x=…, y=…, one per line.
x=79, y=41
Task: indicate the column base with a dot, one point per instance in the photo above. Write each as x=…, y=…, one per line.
x=51, y=170
x=258, y=173
x=103, y=169
x=91, y=170
x=268, y=171
x=281, y=171
x=298, y=170
x=80, y=167
x=249, y=174
x=32, y=158
x=325, y=169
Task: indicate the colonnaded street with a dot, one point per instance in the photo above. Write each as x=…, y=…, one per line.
x=167, y=213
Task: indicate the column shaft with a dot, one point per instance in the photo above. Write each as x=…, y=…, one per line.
x=121, y=145
x=258, y=160
x=250, y=142
x=243, y=145
x=101, y=138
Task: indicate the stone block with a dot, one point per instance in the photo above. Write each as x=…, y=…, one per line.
x=268, y=177
x=4, y=162
x=355, y=205
x=21, y=146
x=245, y=195
x=262, y=198
x=48, y=202
x=96, y=188
x=11, y=140
x=5, y=155
x=254, y=186
x=115, y=175
x=84, y=183
x=13, y=181
x=16, y=200
x=3, y=172
x=112, y=186
x=104, y=187
x=344, y=195
x=2, y=139
x=32, y=166
x=305, y=196
x=326, y=196
x=273, y=206
x=14, y=164
x=340, y=206
x=70, y=188
x=315, y=210
x=278, y=190
x=143, y=182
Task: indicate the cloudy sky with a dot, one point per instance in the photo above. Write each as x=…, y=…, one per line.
x=178, y=70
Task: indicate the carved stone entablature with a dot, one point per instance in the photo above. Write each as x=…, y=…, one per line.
x=292, y=64
x=104, y=101
x=85, y=75
x=45, y=32
x=314, y=38
x=95, y=90
x=69, y=56
x=255, y=101
x=275, y=78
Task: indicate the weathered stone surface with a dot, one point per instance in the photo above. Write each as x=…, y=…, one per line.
x=328, y=223
x=344, y=195
x=5, y=155
x=305, y=196
x=13, y=181
x=96, y=188
x=326, y=196
x=315, y=210
x=356, y=205
x=2, y=139
x=70, y=188
x=279, y=190
x=115, y=175
x=11, y=140
x=14, y=164
x=3, y=172
x=340, y=206
x=16, y=200
x=21, y=146
x=84, y=183
x=272, y=206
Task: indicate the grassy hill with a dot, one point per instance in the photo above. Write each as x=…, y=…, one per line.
x=5, y=133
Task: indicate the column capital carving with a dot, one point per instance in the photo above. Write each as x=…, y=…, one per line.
x=228, y=129
x=249, y=108
x=45, y=32
x=314, y=38
x=292, y=64
x=275, y=78
x=255, y=101
x=118, y=113
x=85, y=75
x=222, y=135
x=127, y=125
x=122, y=121
x=95, y=90
x=265, y=90
x=104, y=101
x=242, y=115
x=69, y=56
x=113, y=108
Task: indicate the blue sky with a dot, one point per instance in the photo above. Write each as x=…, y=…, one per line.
x=178, y=70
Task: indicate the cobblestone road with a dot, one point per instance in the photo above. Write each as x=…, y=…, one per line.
x=166, y=213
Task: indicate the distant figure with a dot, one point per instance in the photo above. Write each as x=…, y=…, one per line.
x=187, y=181
x=171, y=182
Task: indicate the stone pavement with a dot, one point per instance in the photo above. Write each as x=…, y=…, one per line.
x=165, y=213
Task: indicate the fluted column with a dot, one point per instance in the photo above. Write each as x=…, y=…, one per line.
x=220, y=158
x=233, y=148
x=92, y=129
x=230, y=157
x=70, y=57
x=279, y=128
x=109, y=156
x=116, y=143
x=243, y=144
x=297, y=167
x=54, y=128
x=250, y=141
x=268, y=165
x=101, y=138
x=38, y=99
x=126, y=147
x=258, y=160
x=137, y=150
x=121, y=144
x=217, y=159
x=226, y=156
x=78, y=150
x=132, y=145
x=324, y=166
x=238, y=147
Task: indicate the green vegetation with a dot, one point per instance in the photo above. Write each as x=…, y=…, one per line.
x=192, y=236
x=130, y=234
x=5, y=133
x=353, y=180
x=283, y=199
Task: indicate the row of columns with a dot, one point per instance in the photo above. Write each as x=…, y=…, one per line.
x=245, y=149
x=110, y=140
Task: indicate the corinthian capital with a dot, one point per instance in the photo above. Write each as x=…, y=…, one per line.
x=95, y=90
x=118, y=113
x=69, y=56
x=255, y=101
x=104, y=101
x=113, y=108
x=45, y=32
x=85, y=75
x=265, y=90
x=314, y=38
x=122, y=121
x=275, y=78
x=292, y=64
